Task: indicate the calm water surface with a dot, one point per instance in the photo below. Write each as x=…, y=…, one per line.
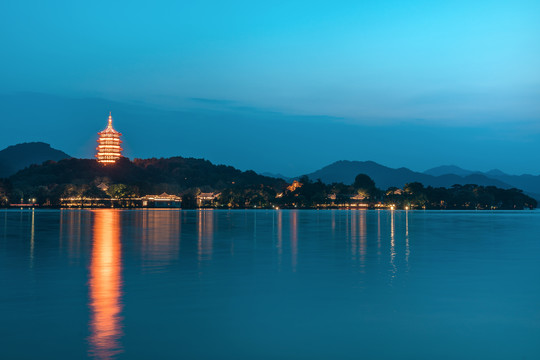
x=150, y=284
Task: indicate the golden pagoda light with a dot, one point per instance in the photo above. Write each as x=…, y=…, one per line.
x=109, y=150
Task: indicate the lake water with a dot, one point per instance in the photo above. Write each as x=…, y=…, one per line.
x=172, y=284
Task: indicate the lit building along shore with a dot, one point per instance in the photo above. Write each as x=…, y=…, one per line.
x=109, y=150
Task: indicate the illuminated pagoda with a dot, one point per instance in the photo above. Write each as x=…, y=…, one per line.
x=109, y=150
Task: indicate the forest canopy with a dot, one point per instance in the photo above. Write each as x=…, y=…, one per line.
x=48, y=183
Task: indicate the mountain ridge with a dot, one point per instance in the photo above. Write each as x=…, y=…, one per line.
x=527, y=182
x=17, y=157
x=385, y=177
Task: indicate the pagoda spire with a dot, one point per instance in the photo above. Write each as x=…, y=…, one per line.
x=110, y=120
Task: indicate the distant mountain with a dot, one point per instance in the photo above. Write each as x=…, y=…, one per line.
x=448, y=169
x=528, y=183
x=385, y=177
x=277, y=176
x=494, y=172
x=20, y=156
x=456, y=170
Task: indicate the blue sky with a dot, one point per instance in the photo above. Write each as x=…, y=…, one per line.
x=415, y=65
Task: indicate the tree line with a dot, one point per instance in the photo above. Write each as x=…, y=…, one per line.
x=48, y=183
x=316, y=194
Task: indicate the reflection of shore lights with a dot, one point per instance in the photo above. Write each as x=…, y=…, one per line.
x=105, y=285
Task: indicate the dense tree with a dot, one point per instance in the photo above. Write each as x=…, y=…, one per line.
x=363, y=181
x=3, y=193
x=81, y=178
x=122, y=191
x=413, y=188
x=310, y=194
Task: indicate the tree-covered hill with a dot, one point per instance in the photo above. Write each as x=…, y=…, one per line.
x=48, y=183
x=176, y=175
x=17, y=157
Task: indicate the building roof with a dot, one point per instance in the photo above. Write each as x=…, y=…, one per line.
x=103, y=186
x=207, y=195
x=109, y=129
x=162, y=197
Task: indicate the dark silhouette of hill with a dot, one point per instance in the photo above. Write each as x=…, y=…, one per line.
x=48, y=183
x=228, y=132
x=144, y=176
x=528, y=183
x=278, y=176
x=448, y=169
x=385, y=177
x=17, y=157
x=494, y=172
x=215, y=130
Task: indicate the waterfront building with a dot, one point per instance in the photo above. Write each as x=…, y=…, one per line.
x=358, y=197
x=394, y=191
x=103, y=187
x=207, y=199
x=161, y=201
x=148, y=201
x=109, y=150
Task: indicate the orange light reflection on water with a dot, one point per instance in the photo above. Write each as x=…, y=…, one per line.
x=105, y=285
x=294, y=238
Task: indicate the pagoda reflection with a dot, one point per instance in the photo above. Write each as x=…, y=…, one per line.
x=105, y=285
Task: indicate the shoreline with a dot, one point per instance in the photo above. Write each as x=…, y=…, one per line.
x=256, y=209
